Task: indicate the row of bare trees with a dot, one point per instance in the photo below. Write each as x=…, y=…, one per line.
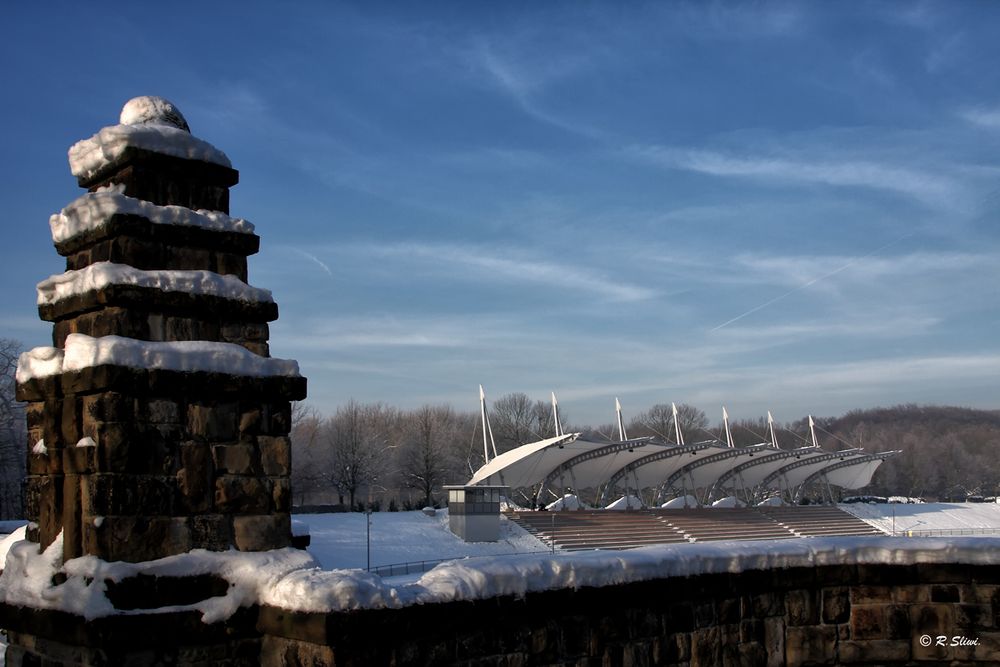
x=13, y=434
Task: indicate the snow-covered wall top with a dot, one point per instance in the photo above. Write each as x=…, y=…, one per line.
x=82, y=351
x=147, y=127
x=290, y=579
x=101, y=274
x=95, y=209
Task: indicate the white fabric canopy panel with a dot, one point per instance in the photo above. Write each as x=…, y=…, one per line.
x=854, y=476
x=597, y=471
x=529, y=464
x=655, y=472
x=794, y=476
x=705, y=473
x=753, y=472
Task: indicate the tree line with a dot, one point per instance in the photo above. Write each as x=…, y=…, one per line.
x=372, y=454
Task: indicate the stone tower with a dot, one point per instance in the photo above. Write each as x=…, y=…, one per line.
x=157, y=423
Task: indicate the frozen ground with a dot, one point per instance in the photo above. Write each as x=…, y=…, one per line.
x=935, y=518
x=339, y=541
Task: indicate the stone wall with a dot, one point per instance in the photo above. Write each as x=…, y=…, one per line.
x=844, y=615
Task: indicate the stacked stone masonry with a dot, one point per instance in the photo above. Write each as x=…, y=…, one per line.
x=828, y=615
x=180, y=460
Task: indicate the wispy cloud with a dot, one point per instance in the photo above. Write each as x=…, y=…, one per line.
x=982, y=116
x=512, y=265
x=924, y=186
x=313, y=258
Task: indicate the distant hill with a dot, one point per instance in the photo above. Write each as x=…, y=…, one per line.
x=947, y=452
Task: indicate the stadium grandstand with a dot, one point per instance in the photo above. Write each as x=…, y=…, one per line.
x=675, y=491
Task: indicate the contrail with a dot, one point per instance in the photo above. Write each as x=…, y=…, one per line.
x=811, y=282
x=315, y=259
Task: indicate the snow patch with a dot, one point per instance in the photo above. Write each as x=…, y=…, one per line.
x=82, y=351
x=569, y=501
x=40, y=449
x=624, y=503
x=150, y=109
x=729, y=501
x=680, y=502
x=101, y=274
x=88, y=157
x=94, y=209
x=86, y=442
x=773, y=501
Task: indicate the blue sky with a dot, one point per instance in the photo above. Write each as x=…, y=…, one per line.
x=790, y=207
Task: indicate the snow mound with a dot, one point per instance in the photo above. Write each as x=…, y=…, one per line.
x=150, y=109
x=93, y=210
x=622, y=503
x=569, y=501
x=773, y=501
x=729, y=501
x=101, y=274
x=82, y=351
x=88, y=157
x=680, y=502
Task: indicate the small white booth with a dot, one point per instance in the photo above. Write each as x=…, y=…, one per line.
x=474, y=512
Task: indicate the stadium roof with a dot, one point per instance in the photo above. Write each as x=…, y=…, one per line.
x=572, y=460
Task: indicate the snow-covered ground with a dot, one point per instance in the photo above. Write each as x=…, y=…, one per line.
x=339, y=541
x=930, y=518
x=330, y=576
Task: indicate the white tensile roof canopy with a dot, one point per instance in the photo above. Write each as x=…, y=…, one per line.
x=570, y=460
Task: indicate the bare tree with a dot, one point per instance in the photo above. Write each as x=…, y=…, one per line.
x=429, y=450
x=659, y=421
x=12, y=433
x=359, y=437
x=307, y=451
x=517, y=420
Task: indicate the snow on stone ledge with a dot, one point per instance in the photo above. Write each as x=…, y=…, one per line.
x=289, y=579
x=88, y=157
x=101, y=274
x=82, y=351
x=94, y=209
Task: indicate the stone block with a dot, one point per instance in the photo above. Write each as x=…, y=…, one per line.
x=836, y=604
x=811, y=645
x=34, y=414
x=120, y=494
x=910, y=594
x=236, y=459
x=137, y=538
x=774, y=641
x=870, y=594
x=802, y=607
x=263, y=532
x=163, y=411
x=250, y=422
x=873, y=651
x=932, y=619
x=278, y=418
x=212, y=422
x=945, y=593
x=275, y=455
x=281, y=494
x=897, y=620
x=239, y=494
x=196, y=490
x=107, y=407
x=211, y=531
x=868, y=621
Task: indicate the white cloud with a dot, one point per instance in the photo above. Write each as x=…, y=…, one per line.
x=921, y=185
x=510, y=265
x=982, y=116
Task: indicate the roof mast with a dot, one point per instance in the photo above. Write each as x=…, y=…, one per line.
x=555, y=414
x=621, y=424
x=486, y=427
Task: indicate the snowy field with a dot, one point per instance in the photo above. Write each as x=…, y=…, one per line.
x=339, y=541
x=930, y=518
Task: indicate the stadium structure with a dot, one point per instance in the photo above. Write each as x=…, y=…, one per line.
x=651, y=471
x=673, y=491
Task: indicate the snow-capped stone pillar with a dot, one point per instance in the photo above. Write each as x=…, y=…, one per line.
x=158, y=422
